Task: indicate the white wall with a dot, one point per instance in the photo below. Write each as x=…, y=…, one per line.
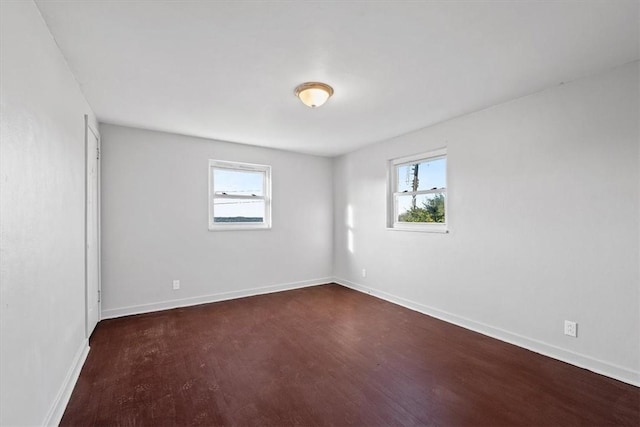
x=155, y=228
x=544, y=212
x=42, y=317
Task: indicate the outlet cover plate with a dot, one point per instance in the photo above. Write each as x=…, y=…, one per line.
x=571, y=328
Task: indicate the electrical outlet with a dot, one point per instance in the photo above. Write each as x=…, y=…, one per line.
x=176, y=285
x=571, y=328
x=364, y=272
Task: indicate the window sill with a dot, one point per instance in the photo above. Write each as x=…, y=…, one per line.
x=442, y=229
x=239, y=227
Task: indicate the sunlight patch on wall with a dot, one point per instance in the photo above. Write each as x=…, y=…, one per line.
x=349, y=217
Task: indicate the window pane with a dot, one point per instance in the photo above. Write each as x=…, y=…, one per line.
x=421, y=208
x=226, y=210
x=238, y=183
x=430, y=175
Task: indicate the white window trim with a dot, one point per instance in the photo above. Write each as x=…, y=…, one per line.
x=266, y=190
x=392, y=214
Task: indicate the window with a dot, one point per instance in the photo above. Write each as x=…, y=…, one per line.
x=239, y=196
x=418, y=192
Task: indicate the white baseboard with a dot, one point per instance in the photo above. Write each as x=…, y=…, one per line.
x=222, y=296
x=54, y=416
x=598, y=366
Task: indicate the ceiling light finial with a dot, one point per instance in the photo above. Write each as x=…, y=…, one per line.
x=313, y=94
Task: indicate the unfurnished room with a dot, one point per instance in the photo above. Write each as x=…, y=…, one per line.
x=279, y=213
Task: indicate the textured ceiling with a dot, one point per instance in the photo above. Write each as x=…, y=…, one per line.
x=227, y=70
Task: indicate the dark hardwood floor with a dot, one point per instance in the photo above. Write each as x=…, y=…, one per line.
x=328, y=355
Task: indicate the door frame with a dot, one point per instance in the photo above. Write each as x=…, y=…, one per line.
x=88, y=128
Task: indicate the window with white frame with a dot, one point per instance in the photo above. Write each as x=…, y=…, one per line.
x=418, y=192
x=239, y=196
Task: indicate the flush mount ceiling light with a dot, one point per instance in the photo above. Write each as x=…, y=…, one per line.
x=313, y=94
